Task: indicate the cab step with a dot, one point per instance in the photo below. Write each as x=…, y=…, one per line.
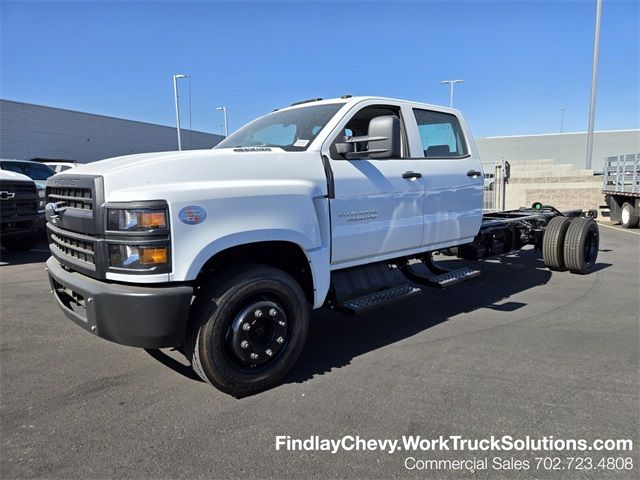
x=438, y=277
x=373, y=300
x=455, y=276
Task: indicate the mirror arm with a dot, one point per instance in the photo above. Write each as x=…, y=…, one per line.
x=361, y=155
x=364, y=139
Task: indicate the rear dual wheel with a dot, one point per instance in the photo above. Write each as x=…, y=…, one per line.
x=247, y=329
x=628, y=217
x=571, y=244
x=581, y=245
x=553, y=243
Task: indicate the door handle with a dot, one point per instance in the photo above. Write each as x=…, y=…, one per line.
x=411, y=175
x=474, y=173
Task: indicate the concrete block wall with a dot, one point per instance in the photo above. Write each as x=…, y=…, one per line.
x=560, y=185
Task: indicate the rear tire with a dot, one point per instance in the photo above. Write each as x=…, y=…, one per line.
x=553, y=243
x=581, y=245
x=628, y=217
x=234, y=348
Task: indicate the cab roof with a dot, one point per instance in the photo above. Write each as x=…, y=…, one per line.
x=352, y=100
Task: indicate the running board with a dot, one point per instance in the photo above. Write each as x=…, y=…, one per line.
x=377, y=299
x=439, y=277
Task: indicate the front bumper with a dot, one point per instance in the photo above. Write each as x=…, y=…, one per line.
x=147, y=317
x=24, y=228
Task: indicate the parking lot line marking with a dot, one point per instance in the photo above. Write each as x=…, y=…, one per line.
x=619, y=229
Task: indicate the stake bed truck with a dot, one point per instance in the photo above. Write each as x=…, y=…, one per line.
x=327, y=203
x=622, y=189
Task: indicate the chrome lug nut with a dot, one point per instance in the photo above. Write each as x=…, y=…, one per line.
x=246, y=327
x=273, y=312
x=280, y=340
x=244, y=344
x=281, y=323
x=254, y=356
x=268, y=352
x=258, y=313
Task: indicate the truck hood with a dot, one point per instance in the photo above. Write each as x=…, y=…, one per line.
x=154, y=176
x=9, y=175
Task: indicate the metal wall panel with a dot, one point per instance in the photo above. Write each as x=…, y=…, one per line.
x=33, y=131
x=564, y=148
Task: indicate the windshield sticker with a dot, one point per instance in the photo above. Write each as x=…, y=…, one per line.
x=301, y=143
x=192, y=215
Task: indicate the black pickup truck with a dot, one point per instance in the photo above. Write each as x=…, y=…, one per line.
x=21, y=216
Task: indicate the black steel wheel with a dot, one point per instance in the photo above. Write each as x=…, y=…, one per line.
x=247, y=329
x=553, y=243
x=628, y=217
x=581, y=245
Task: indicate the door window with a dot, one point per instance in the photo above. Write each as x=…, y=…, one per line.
x=441, y=134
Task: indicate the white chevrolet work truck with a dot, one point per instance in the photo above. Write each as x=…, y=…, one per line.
x=335, y=203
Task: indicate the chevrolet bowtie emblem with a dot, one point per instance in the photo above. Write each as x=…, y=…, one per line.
x=4, y=195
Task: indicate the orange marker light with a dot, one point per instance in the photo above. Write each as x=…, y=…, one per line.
x=154, y=255
x=151, y=219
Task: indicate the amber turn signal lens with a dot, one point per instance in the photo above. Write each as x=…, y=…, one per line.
x=153, y=255
x=151, y=219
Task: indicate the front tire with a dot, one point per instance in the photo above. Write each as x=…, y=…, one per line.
x=247, y=329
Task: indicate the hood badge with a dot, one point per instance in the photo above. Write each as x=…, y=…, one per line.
x=252, y=149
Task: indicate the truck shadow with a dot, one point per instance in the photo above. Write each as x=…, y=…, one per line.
x=334, y=339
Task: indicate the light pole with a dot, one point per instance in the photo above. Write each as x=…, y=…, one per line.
x=175, y=97
x=594, y=81
x=451, y=84
x=562, y=119
x=226, y=125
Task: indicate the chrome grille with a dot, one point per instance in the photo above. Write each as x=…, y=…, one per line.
x=79, y=247
x=73, y=197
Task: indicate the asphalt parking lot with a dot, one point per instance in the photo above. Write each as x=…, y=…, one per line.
x=519, y=351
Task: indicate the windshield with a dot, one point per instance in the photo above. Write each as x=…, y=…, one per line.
x=35, y=171
x=292, y=130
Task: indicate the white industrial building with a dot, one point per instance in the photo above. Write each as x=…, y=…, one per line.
x=562, y=148
x=29, y=132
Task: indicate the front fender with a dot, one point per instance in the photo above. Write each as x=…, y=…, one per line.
x=318, y=256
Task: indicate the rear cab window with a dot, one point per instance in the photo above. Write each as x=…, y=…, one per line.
x=441, y=134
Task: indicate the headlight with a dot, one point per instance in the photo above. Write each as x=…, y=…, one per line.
x=139, y=256
x=41, y=199
x=136, y=220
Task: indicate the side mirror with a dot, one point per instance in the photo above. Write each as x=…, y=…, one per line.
x=384, y=132
x=382, y=139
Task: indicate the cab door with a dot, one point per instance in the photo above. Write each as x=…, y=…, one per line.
x=452, y=177
x=378, y=206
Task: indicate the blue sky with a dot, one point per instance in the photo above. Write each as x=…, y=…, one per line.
x=522, y=61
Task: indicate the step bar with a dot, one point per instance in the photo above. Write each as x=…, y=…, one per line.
x=439, y=277
x=378, y=299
